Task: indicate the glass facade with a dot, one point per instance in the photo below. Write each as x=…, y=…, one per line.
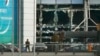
x=68, y=15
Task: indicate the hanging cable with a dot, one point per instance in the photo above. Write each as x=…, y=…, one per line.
x=55, y=15
x=40, y=20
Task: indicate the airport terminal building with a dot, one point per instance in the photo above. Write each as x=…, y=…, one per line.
x=38, y=20
x=77, y=18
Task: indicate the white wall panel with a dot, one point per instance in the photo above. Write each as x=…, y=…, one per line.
x=29, y=1
x=28, y=16
x=29, y=5
x=28, y=33
x=29, y=21
x=28, y=10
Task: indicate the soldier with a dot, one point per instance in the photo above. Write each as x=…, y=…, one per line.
x=55, y=37
x=61, y=36
x=27, y=43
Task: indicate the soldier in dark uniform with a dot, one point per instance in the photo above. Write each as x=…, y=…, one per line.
x=27, y=45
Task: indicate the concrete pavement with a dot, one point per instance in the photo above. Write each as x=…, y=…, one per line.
x=47, y=54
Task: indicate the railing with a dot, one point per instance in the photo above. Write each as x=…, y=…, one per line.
x=56, y=49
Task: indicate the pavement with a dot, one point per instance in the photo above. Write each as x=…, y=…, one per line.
x=46, y=54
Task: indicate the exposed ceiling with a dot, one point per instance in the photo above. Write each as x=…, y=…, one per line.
x=67, y=1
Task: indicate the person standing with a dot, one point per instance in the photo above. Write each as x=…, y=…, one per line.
x=27, y=43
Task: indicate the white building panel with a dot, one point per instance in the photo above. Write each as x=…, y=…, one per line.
x=28, y=5
x=29, y=21
x=28, y=33
x=28, y=16
x=28, y=10
x=28, y=27
x=31, y=1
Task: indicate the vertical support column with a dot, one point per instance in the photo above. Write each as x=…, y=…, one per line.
x=71, y=20
x=20, y=18
x=34, y=19
x=86, y=15
x=13, y=28
x=34, y=25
